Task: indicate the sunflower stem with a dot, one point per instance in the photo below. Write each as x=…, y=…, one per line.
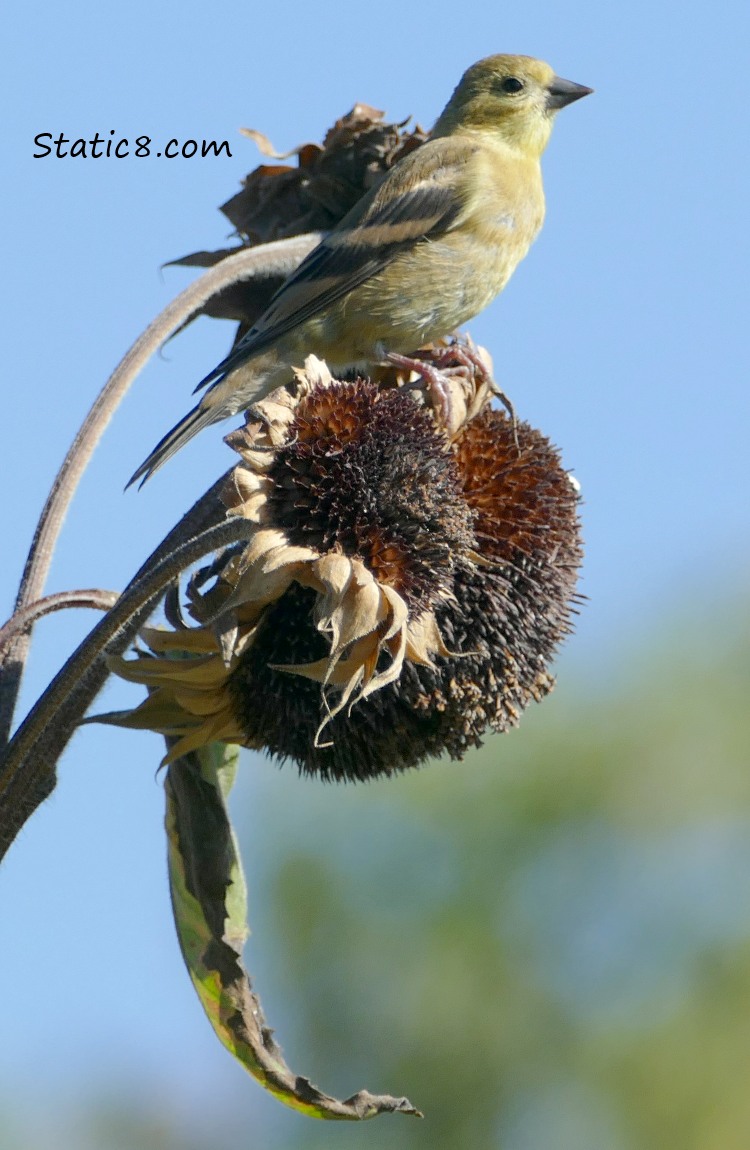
x=27, y=769
x=22, y=620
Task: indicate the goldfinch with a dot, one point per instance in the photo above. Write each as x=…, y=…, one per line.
x=419, y=255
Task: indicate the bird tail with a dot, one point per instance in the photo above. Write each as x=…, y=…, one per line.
x=195, y=420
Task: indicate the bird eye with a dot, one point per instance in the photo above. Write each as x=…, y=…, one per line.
x=512, y=84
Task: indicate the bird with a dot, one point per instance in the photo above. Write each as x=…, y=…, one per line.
x=420, y=254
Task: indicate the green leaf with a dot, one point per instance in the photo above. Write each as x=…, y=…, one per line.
x=209, y=900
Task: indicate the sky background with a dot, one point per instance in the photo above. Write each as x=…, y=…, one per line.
x=623, y=336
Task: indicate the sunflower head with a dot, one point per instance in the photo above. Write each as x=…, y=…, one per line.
x=403, y=592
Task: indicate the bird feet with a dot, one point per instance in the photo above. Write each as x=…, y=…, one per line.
x=438, y=367
x=434, y=376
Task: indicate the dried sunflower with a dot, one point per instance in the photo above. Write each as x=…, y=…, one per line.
x=403, y=591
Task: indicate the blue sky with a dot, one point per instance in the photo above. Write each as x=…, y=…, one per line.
x=623, y=336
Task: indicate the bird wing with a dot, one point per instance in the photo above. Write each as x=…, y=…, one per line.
x=419, y=199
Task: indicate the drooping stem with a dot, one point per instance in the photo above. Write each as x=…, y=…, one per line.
x=27, y=769
x=280, y=257
x=25, y=618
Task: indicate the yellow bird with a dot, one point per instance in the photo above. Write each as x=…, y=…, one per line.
x=420, y=254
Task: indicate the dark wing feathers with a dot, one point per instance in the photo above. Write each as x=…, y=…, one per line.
x=417, y=200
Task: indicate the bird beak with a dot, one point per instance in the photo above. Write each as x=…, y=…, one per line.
x=562, y=92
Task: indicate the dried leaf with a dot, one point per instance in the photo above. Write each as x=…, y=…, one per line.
x=209, y=900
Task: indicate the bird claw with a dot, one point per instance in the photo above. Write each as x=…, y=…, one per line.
x=434, y=377
x=498, y=391
x=474, y=365
x=458, y=359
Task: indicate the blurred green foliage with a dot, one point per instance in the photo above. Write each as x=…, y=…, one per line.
x=547, y=947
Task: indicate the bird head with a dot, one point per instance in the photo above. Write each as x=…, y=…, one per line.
x=512, y=97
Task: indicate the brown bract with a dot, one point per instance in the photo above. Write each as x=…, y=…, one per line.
x=403, y=591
